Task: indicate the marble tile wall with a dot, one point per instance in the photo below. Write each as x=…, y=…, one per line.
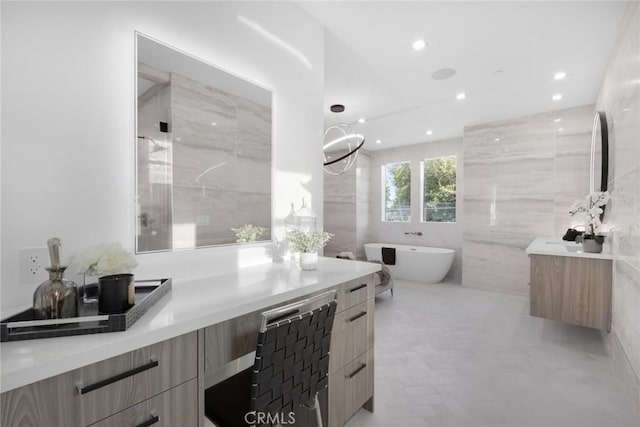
x=154, y=171
x=346, y=206
x=434, y=234
x=520, y=177
x=619, y=98
x=221, y=172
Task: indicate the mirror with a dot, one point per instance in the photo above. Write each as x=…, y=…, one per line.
x=203, y=153
x=599, y=165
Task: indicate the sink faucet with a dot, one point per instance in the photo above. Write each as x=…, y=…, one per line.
x=413, y=233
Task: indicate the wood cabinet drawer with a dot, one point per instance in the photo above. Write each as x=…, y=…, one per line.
x=350, y=388
x=175, y=407
x=571, y=290
x=112, y=385
x=355, y=291
x=352, y=334
x=89, y=394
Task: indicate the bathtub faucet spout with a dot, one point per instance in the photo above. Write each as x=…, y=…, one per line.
x=413, y=233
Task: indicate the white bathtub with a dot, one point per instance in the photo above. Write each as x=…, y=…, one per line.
x=415, y=263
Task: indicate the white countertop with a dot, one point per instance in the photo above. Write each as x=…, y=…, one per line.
x=558, y=247
x=190, y=305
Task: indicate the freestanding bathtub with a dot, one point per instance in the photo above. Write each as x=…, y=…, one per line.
x=415, y=263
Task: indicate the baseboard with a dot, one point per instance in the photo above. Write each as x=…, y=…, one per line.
x=624, y=371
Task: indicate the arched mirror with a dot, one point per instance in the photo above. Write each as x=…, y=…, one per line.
x=599, y=167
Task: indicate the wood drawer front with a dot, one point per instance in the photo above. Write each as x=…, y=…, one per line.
x=175, y=407
x=352, y=334
x=350, y=388
x=229, y=340
x=571, y=290
x=176, y=363
x=355, y=291
x=52, y=402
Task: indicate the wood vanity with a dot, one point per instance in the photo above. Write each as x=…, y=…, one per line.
x=569, y=285
x=162, y=384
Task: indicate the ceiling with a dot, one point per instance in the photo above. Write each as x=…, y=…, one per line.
x=505, y=55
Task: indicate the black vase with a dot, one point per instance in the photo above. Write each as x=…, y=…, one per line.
x=116, y=293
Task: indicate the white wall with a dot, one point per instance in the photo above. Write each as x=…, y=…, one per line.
x=68, y=116
x=443, y=235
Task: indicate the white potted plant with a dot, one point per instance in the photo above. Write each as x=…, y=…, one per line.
x=308, y=243
x=113, y=265
x=590, y=210
x=249, y=233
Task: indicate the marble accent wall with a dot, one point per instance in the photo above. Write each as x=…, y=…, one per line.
x=520, y=177
x=154, y=171
x=434, y=234
x=346, y=209
x=221, y=172
x=619, y=98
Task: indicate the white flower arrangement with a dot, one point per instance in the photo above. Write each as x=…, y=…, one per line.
x=590, y=210
x=249, y=233
x=308, y=241
x=105, y=259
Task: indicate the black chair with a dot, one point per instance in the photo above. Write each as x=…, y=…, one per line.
x=291, y=367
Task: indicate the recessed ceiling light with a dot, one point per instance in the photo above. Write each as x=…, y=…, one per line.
x=362, y=120
x=214, y=124
x=557, y=120
x=560, y=129
x=429, y=132
x=418, y=44
x=497, y=139
x=378, y=141
x=557, y=97
x=559, y=75
x=461, y=95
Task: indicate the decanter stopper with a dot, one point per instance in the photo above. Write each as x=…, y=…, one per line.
x=55, y=298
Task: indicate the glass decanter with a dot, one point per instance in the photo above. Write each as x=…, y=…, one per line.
x=55, y=298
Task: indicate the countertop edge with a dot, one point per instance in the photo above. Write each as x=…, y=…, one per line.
x=539, y=247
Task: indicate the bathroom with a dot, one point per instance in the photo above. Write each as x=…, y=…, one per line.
x=479, y=95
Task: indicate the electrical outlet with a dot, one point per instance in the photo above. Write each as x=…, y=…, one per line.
x=32, y=265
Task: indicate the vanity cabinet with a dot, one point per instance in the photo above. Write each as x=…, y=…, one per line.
x=573, y=290
x=351, y=361
x=163, y=384
x=87, y=395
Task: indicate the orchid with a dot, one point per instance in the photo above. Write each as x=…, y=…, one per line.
x=591, y=209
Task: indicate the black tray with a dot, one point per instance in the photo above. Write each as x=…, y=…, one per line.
x=22, y=326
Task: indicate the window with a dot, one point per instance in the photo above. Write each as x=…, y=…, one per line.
x=439, y=189
x=397, y=192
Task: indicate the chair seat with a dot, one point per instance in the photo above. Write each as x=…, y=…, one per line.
x=227, y=403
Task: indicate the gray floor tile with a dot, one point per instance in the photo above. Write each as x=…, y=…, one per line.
x=448, y=356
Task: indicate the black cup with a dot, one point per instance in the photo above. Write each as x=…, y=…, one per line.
x=116, y=293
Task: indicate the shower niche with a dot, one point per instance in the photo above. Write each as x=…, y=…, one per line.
x=203, y=151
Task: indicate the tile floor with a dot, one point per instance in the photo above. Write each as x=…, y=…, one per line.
x=453, y=356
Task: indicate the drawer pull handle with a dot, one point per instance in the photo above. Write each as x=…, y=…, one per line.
x=357, y=316
x=354, y=373
x=116, y=378
x=151, y=421
x=357, y=288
